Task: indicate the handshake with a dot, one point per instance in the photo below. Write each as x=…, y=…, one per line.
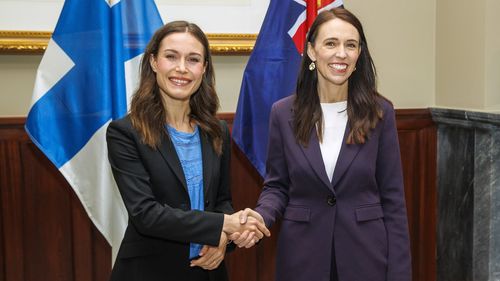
x=245, y=228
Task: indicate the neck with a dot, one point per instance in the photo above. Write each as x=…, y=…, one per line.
x=330, y=93
x=178, y=115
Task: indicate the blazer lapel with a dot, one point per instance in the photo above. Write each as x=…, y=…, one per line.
x=167, y=150
x=208, y=159
x=347, y=153
x=313, y=155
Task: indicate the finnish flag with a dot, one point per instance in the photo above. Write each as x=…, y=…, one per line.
x=85, y=80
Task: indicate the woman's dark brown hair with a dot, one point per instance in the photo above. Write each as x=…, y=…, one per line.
x=147, y=113
x=363, y=108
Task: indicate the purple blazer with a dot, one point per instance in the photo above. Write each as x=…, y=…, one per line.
x=361, y=213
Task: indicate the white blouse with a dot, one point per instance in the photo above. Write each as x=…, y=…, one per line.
x=335, y=121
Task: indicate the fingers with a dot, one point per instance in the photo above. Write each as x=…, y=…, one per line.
x=250, y=241
x=244, y=215
x=211, y=257
x=203, y=250
x=235, y=236
x=241, y=239
x=210, y=260
x=246, y=240
x=252, y=213
x=261, y=227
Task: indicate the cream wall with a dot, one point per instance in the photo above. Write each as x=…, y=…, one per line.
x=17, y=77
x=468, y=55
x=400, y=34
x=427, y=53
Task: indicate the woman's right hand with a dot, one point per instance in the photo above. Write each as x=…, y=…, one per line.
x=245, y=228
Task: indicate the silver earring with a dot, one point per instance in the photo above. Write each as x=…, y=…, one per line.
x=312, y=66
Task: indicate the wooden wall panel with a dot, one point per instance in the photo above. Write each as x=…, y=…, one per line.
x=46, y=219
x=46, y=235
x=418, y=140
x=12, y=211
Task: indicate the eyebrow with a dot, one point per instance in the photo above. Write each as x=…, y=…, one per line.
x=336, y=39
x=175, y=51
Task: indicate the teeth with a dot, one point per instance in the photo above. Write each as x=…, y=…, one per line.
x=179, y=81
x=339, y=66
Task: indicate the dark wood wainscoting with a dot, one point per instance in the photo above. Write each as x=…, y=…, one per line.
x=45, y=233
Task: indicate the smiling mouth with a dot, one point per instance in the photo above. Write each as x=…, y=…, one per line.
x=338, y=66
x=179, y=81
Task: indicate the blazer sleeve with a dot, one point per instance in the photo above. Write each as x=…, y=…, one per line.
x=390, y=181
x=224, y=204
x=274, y=196
x=150, y=217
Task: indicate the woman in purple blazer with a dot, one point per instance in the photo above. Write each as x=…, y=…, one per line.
x=333, y=171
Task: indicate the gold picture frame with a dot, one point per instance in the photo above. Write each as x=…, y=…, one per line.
x=35, y=42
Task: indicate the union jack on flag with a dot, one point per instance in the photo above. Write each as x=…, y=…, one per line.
x=299, y=29
x=271, y=72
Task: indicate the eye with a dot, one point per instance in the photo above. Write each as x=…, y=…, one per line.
x=352, y=45
x=330, y=44
x=170, y=56
x=194, y=59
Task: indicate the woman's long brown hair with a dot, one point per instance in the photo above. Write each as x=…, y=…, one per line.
x=147, y=113
x=363, y=108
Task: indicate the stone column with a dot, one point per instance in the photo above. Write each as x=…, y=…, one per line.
x=468, y=243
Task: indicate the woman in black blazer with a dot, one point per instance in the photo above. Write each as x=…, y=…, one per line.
x=170, y=157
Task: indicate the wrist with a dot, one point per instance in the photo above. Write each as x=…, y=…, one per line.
x=224, y=239
x=228, y=225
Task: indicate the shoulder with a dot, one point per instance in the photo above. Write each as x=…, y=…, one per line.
x=386, y=106
x=223, y=125
x=283, y=107
x=284, y=103
x=225, y=129
x=121, y=126
x=123, y=122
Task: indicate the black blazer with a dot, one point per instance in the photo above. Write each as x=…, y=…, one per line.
x=161, y=223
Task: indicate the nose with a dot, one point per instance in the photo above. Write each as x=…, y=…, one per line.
x=341, y=52
x=181, y=66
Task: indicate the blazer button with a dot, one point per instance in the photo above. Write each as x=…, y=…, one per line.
x=331, y=200
x=206, y=203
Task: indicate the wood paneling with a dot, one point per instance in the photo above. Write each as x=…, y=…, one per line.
x=46, y=235
x=418, y=141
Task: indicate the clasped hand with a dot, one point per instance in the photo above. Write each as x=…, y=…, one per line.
x=210, y=256
x=245, y=228
x=248, y=230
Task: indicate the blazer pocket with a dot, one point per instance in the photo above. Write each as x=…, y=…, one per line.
x=367, y=213
x=299, y=214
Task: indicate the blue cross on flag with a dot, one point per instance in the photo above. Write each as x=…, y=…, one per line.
x=85, y=79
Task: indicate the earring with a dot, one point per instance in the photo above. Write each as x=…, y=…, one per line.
x=312, y=66
x=354, y=69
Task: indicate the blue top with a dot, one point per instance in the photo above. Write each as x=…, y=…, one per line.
x=188, y=148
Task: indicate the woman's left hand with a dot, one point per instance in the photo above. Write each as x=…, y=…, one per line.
x=211, y=257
